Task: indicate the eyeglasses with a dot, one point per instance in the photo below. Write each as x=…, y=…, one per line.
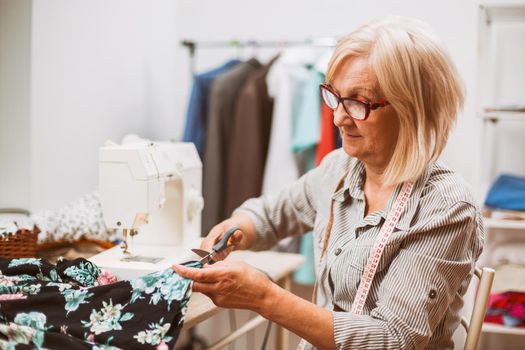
x=356, y=108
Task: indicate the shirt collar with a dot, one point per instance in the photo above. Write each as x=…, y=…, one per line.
x=353, y=182
x=353, y=187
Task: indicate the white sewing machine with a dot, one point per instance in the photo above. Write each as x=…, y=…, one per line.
x=151, y=192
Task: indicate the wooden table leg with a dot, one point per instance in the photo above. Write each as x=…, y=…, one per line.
x=283, y=336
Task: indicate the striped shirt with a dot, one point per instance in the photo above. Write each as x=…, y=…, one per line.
x=414, y=300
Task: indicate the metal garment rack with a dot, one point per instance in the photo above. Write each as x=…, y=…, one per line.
x=192, y=45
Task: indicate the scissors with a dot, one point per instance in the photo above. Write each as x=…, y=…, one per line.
x=207, y=257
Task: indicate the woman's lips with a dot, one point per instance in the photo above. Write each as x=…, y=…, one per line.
x=350, y=136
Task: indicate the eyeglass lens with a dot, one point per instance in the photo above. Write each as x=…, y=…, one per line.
x=356, y=109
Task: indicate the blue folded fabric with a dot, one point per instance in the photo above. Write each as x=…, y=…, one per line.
x=508, y=192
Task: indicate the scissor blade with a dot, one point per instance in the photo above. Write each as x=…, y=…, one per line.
x=207, y=260
x=207, y=257
x=200, y=252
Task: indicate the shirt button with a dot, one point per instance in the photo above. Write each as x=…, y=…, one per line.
x=338, y=251
x=432, y=294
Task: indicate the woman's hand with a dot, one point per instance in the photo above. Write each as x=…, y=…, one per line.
x=230, y=284
x=237, y=285
x=239, y=240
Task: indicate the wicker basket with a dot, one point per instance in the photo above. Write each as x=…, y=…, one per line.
x=22, y=244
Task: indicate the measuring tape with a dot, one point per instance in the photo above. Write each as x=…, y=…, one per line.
x=375, y=256
x=379, y=246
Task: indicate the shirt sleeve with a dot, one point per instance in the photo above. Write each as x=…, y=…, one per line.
x=434, y=263
x=290, y=212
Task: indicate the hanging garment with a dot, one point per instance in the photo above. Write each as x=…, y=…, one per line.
x=197, y=115
x=285, y=81
x=305, y=135
x=328, y=135
x=250, y=135
x=281, y=168
x=286, y=74
x=73, y=305
x=338, y=139
x=224, y=94
x=327, y=139
x=306, y=111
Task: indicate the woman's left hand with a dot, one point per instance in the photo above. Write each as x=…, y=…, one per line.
x=230, y=284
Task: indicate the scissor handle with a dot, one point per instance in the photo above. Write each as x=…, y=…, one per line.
x=223, y=243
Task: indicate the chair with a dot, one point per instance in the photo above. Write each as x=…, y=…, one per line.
x=473, y=328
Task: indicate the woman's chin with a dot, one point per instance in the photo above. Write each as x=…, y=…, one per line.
x=351, y=150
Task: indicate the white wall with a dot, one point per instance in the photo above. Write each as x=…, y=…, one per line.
x=100, y=69
x=15, y=50
x=74, y=73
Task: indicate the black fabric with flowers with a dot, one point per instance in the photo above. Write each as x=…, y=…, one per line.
x=73, y=305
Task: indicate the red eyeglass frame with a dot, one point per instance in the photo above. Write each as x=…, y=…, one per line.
x=369, y=106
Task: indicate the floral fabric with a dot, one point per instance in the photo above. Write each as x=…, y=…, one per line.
x=74, y=305
x=80, y=219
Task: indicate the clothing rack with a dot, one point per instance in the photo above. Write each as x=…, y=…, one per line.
x=192, y=45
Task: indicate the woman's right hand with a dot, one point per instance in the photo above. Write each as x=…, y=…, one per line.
x=241, y=239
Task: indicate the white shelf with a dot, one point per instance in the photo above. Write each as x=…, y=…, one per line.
x=504, y=224
x=500, y=329
x=495, y=11
x=504, y=116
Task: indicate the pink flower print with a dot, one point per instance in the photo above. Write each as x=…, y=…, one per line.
x=91, y=338
x=106, y=277
x=12, y=296
x=63, y=329
x=162, y=346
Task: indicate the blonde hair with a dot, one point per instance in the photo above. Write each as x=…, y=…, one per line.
x=416, y=75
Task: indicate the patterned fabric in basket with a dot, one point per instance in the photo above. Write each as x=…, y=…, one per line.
x=81, y=219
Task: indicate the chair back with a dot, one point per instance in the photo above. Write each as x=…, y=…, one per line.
x=474, y=326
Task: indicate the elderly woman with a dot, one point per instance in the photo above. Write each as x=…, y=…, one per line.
x=396, y=235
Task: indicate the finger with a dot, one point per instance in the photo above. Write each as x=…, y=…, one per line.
x=200, y=275
x=212, y=237
x=236, y=238
x=218, y=266
x=205, y=288
x=223, y=254
x=206, y=244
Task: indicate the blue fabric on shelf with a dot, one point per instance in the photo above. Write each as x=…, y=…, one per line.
x=510, y=321
x=507, y=192
x=196, y=117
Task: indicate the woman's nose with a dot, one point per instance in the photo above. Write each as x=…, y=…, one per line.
x=340, y=116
